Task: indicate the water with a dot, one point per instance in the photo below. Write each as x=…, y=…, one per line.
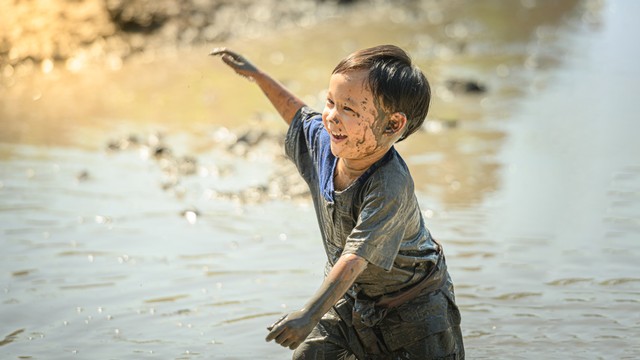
x=533, y=187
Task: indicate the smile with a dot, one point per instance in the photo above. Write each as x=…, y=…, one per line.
x=337, y=137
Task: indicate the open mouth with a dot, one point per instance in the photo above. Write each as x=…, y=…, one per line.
x=338, y=137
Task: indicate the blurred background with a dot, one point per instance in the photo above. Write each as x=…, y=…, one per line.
x=147, y=210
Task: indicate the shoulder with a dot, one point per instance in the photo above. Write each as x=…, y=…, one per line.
x=391, y=178
x=305, y=114
x=306, y=121
x=305, y=126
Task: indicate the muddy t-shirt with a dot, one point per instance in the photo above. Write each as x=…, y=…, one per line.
x=377, y=217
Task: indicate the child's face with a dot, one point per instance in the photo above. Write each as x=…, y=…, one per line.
x=353, y=118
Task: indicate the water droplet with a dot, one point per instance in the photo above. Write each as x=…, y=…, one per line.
x=102, y=219
x=428, y=213
x=191, y=216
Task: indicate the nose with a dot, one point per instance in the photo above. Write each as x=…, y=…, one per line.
x=332, y=116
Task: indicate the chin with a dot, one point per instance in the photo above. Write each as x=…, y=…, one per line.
x=336, y=150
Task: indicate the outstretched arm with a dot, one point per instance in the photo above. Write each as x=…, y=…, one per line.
x=286, y=103
x=291, y=330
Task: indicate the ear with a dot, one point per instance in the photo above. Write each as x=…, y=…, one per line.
x=397, y=123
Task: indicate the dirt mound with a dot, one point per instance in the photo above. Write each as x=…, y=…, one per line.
x=59, y=30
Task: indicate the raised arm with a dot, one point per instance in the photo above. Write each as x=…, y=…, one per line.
x=285, y=102
x=291, y=330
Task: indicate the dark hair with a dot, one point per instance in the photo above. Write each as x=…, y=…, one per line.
x=394, y=80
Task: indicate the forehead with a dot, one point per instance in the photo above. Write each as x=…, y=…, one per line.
x=351, y=84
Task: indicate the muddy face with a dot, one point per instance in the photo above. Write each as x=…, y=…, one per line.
x=354, y=119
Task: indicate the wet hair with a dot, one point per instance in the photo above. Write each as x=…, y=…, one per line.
x=394, y=80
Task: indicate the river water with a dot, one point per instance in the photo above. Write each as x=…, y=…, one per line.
x=146, y=210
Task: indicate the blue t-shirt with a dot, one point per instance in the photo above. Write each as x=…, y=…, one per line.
x=377, y=217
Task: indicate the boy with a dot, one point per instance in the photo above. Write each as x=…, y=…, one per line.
x=387, y=293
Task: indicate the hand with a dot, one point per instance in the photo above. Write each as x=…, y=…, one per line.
x=236, y=61
x=291, y=330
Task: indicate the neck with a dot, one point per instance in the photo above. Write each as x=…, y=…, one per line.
x=348, y=170
x=362, y=164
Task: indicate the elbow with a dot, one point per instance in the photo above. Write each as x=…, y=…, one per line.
x=355, y=262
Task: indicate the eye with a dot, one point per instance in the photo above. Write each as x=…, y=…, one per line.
x=330, y=102
x=346, y=108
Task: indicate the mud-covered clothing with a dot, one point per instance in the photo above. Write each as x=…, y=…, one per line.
x=404, y=333
x=377, y=218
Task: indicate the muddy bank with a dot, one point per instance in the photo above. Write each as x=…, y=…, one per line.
x=246, y=148
x=112, y=30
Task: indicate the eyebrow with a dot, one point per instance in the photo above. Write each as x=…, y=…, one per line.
x=350, y=101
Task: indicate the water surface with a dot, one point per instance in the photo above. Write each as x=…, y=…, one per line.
x=533, y=187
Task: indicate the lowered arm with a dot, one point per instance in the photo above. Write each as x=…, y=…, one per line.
x=291, y=330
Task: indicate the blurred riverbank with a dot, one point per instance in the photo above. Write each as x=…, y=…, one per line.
x=147, y=211
x=168, y=82
x=110, y=31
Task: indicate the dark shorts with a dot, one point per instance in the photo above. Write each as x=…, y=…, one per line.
x=427, y=327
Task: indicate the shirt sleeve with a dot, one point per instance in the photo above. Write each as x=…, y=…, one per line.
x=379, y=228
x=302, y=139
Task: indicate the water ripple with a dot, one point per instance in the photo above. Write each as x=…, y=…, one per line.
x=11, y=337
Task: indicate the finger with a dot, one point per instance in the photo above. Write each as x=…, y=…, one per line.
x=287, y=342
x=270, y=327
x=235, y=63
x=229, y=60
x=282, y=338
x=227, y=54
x=274, y=333
x=218, y=51
x=294, y=345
